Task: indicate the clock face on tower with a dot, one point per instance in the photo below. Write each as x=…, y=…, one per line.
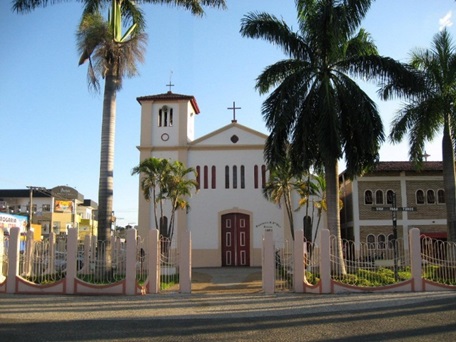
x=164, y=137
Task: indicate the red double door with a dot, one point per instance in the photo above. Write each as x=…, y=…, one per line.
x=235, y=239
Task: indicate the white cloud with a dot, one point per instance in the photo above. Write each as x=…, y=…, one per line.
x=445, y=21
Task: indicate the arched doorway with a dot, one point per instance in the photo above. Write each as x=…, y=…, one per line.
x=235, y=239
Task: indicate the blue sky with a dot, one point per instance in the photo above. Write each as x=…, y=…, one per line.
x=51, y=123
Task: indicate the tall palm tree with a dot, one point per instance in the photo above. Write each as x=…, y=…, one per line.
x=117, y=65
x=315, y=104
x=430, y=110
x=112, y=56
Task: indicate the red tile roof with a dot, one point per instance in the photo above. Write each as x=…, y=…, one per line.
x=170, y=96
x=408, y=166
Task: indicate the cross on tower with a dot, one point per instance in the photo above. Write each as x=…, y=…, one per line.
x=170, y=85
x=234, y=111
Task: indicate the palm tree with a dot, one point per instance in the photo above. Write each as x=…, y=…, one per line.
x=152, y=182
x=316, y=105
x=429, y=110
x=278, y=189
x=178, y=188
x=112, y=56
x=314, y=192
x=165, y=182
x=119, y=61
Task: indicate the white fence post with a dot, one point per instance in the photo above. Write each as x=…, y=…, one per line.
x=268, y=269
x=2, y=251
x=298, y=262
x=185, y=263
x=415, y=259
x=13, y=260
x=72, y=253
x=153, y=264
x=325, y=261
x=130, y=273
x=28, y=253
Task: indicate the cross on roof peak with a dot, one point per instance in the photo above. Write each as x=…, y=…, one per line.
x=170, y=85
x=234, y=111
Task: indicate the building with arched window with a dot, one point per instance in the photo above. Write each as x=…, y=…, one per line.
x=422, y=190
x=229, y=214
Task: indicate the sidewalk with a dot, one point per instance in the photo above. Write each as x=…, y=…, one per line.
x=226, y=279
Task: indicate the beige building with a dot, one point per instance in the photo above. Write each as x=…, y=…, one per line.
x=55, y=210
x=421, y=191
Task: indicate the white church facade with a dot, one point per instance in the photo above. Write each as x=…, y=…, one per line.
x=229, y=214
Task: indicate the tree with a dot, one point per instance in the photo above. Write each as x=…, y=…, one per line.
x=282, y=182
x=167, y=185
x=117, y=64
x=316, y=105
x=315, y=187
x=112, y=56
x=430, y=108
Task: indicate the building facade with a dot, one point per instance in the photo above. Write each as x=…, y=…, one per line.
x=229, y=214
x=54, y=210
x=420, y=199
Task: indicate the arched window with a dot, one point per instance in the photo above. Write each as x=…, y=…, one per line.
x=381, y=241
x=227, y=177
x=430, y=195
x=198, y=179
x=164, y=226
x=206, y=177
x=234, y=177
x=419, y=197
x=213, y=177
x=165, y=117
x=389, y=197
x=367, y=197
x=370, y=239
x=242, y=177
x=255, y=176
x=307, y=222
x=263, y=176
x=441, y=196
x=391, y=241
x=379, y=197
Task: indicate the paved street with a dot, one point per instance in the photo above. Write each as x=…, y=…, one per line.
x=230, y=317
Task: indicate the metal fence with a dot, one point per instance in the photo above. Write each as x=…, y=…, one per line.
x=169, y=264
x=102, y=262
x=284, y=266
x=142, y=259
x=368, y=264
x=438, y=260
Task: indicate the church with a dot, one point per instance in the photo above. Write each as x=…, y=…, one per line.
x=229, y=214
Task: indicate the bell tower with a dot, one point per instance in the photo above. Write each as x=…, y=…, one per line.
x=167, y=128
x=167, y=120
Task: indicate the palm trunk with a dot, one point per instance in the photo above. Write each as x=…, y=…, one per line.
x=105, y=190
x=332, y=200
x=289, y=209
x=449, y=179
